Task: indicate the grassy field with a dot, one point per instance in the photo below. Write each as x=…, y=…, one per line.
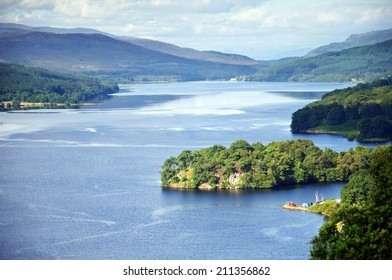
x=348, y=129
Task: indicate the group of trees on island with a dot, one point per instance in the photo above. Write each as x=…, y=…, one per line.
x=365, y=109
x=246, y=166
x=36, y=85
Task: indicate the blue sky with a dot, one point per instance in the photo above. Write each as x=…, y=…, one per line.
x=263, y=29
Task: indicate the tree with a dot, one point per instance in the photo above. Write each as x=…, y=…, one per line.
x=169, y=170
x=377, y=127
x=358, y=188
x=15, y=105
x=185, y=159
x=370, y=110
x=336, y=115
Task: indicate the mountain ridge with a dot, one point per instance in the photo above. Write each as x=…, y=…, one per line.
x=154, y=45
x=354, y=40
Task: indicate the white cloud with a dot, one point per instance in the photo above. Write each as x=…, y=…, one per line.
x=68, y=8
x=252, y=14
x=35, y=4
x=373, y=14
x=81, y=8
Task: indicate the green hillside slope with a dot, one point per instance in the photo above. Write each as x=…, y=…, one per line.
x=360, y=63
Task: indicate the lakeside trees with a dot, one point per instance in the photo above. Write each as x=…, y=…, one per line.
x=362, y=227
x=254, y=166
x=365, y=111
x=37, y=85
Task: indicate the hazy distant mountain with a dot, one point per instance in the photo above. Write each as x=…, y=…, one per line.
x=154, y=45
x=191, y=53
x=101, y=54
x=11, y=27
x=355, y=40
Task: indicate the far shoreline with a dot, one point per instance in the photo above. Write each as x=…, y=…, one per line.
x=23, y=106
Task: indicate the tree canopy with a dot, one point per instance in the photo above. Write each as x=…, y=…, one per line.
x=362, y=227
x=254, y=166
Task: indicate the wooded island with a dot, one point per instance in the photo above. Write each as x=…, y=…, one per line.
x=257, y=166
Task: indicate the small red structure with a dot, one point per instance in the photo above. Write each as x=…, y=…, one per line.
x=292, y=204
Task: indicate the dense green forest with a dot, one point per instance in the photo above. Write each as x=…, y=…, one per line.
x=361, y=228
x=245, y=166
x=36, y=85
x=360, y=63
x=361, y=112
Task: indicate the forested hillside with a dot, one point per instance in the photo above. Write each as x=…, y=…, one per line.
x=360, y=63
x=36, y=85
x=361, y=229
x=245, y=166
x=360, y=112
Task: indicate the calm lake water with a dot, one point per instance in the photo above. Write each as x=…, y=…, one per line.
x=85, y=184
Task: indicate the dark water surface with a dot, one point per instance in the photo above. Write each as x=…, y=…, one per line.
x=85, y=184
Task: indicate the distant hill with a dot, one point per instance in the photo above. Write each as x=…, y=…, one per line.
x=360, y=63
x=171, y=49
x=99, y=54
x=355, y=40
x=154, y=45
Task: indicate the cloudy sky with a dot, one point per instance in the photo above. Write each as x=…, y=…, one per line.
x=263, y=29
